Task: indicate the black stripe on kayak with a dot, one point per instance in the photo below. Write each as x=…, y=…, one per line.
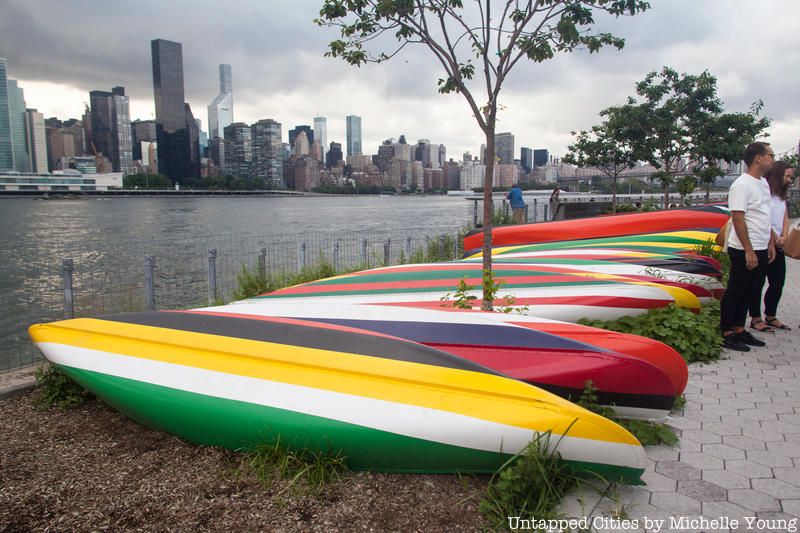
x=464, y=334
x=300, y=335
x=694, y=266
x=622, y=399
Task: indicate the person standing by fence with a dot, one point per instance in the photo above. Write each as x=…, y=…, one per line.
x=514, y=196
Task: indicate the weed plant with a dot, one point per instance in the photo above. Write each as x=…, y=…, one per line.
x=695, y=336
x=530, y=485
x=307, y=472
x=710, y=249
x=56, y=389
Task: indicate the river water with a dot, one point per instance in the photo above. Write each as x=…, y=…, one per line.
x=107, y=240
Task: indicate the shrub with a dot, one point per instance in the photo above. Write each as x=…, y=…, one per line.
x=56, y=389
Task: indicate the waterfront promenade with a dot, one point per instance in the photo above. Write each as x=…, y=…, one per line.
x=739, y=449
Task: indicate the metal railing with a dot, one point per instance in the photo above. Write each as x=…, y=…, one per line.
x=44, y=282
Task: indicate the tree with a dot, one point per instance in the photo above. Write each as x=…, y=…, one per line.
x=604, y=148
x=146, y=181
x=686, y=186
x=680, y=123
x=472, y=45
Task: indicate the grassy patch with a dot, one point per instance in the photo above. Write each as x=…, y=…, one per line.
x=56, y=389
x=307, y=472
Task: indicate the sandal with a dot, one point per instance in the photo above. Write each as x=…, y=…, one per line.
x=759, y=325
x=775, y=323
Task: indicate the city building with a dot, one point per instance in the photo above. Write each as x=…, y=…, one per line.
x=505, y=175
x=268, y=154
x=300, y=145
x=306, y=173
x=321, y=134
x=238, y=150
x=540, y=157
x=16, y=108
x=64, y=140
x=472, y=176
x=293, y=133
x=111, y=128
x=353, y=135
x=173, y=127
x=66, y=180
x=36, y=141
x=220, y=110
x=6, y=147
x=526, y=158
x=504, y=148
x=142, y=131
x=334, y=155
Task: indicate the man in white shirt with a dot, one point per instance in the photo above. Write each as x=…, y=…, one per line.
x=750, y=246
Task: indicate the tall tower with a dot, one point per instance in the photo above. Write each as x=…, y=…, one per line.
x=504, y=148
x=220, y=110
x=172, y=124
x=321, y=134
x=111, y=128
x=268, y=153
x=6, y=148
x=16, y=107
x=36, y=140
x=353, y=135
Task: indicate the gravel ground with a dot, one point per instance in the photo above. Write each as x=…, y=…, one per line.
x=93, y=469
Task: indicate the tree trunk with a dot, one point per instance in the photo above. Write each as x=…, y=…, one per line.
x=614, y=195
x=708, y=192
x=487, y=304
x=666, y=196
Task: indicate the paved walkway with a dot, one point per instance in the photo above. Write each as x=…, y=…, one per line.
x=739, y=450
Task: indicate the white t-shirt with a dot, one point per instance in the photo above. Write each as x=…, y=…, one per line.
x=748, y=194
x=777, y=209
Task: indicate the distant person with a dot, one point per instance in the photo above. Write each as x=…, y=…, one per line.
x=750, y=246
x=514, y=196
x=778, y=180
x=554, y=201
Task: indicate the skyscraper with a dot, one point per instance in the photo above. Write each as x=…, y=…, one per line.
x=6, y=148
x=238, y=150
x=321, y=134
x=173, y=128
x=504, y=148
x=220, y=111
x=293, y=133
x=268, y=153
x=540, y=157
x=36, y=140
x=111, y=128
x=353, y=135
x=16, y=107
x=334, y=155
x=526, y=158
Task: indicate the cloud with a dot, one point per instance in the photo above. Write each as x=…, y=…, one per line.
x=62, y=50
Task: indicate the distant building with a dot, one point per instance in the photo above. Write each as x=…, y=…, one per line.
x=6, y=147
x=321, y=134
x=306, y=173
x=64, y=140
x=300, y=145
x=504, y=148
x=353, y=135
x=178, y=155
x=36, y=141
x=526, y=158
x=505, y=175
x=268, y=154
x=238, y=150
x=16, y=105
x=220, y=110
x=111, y=128
x=143, y=131
x=334, y=155
x=67, y=180
x=472, y=176
x=541, y=157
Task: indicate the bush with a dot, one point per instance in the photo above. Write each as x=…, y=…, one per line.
x=695, y=336
x=56, y=389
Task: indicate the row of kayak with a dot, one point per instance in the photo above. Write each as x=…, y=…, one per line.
x=382, y=365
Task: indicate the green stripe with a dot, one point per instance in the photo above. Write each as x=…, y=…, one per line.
x=583, y=245
x=238, y=425
x=400, y=275
x=444, y=288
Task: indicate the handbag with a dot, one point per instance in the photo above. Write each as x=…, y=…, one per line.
x=791, y=248
x=723, y=234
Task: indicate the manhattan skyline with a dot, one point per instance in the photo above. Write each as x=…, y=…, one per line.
x=277, y=54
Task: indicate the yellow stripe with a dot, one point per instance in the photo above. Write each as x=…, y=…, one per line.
x=682, y=297
x=482, y=396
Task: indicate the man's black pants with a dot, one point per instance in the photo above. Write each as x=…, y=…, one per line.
x=742, y=284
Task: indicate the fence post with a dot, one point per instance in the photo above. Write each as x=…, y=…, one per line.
x=212, y=276
x=535, y=210
x=301, y=259
x=546, y=207
x=408, y=249
x=336, y=256
x=455, y=246
x=526, y=213
x=364, y=259
x=262, y=263
x=149, y=285
x=67, y=266
x=386, y=251
x=475, y=213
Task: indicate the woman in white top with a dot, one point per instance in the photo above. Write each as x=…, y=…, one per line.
x=779, y=179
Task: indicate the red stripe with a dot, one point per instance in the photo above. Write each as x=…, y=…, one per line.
x=592, y=301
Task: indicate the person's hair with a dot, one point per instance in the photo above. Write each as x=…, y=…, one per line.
x=753, y=149
x=777, y=186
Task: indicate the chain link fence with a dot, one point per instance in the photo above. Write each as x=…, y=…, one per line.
x=48, y=282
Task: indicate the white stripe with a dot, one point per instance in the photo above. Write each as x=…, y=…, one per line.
x=409, y=420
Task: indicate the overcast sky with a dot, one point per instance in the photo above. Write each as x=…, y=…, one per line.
x=61, y=50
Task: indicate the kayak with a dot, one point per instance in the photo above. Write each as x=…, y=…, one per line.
x=634, y=387
x=711, y=218
x=387, y=404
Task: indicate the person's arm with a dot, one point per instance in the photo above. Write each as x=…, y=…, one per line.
x=740, y=227
x=785, y=229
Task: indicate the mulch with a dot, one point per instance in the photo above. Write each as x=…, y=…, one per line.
x=91, y=468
